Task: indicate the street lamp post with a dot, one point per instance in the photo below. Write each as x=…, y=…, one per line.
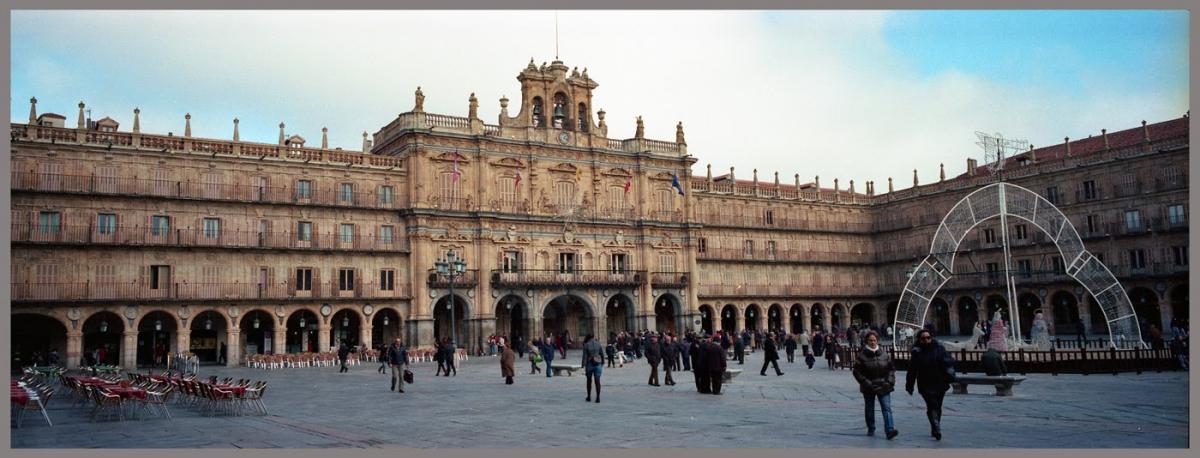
x=451, y=267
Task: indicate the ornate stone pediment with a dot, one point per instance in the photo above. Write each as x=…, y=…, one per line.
x=507, y=162
x=618, y=241
x=666, y=242
x=661, y=176
x=565, y=168
x=449, y=157
x=511, y=236
x=451, y=234
x=617, y=172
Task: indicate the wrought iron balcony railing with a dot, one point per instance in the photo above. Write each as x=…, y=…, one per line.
x=553, y=278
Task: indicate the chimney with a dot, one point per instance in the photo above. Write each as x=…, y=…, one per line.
x=851, y=186
x=709, y=167
x=777, y=180
x=1145, y=131
x=756, y=178
x=280, y=132
x=1032, y=154
x=890, y=188
x=1104, y=133
x=797, y=182
x=1067, y=142
x=731, y=175
x=836, y=188
x=972, y=164
x=914, y=178
x=366, y=143
x=81, y=125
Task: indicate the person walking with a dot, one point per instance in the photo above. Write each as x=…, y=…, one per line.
x=343, y=353
x=534, y=357
x=548, y=355
x=977, y=335
x=831, y=351
x=1080, y=333
x=450, y=357
x=805, y=341
x=669, y=356
x=653, y=357
x=876, y=376
x=810, y=360
x=682, y=348
x=770, y=356
x=818, y=342
x=221, y=357
x=508, y=359
x=439, y=355
x=564, y=341
x=931, y=369
x=397, y=357
x=715, y=364
x=790, y=346
x=739, y=349
x=610, y=350
x=593, y=363
x=696, y=351
x=383, y=358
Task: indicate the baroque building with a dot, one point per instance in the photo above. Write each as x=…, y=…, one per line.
x=141, y=242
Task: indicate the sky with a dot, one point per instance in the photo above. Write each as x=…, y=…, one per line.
x=854, y=95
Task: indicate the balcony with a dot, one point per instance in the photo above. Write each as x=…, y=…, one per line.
x=1169, y=184
x=669, y=279
x=147, y=236
x=551, y=278
x=1127, y=189
x=783, y=256
x=101, y=291
x=466, y=280
x=91, y=185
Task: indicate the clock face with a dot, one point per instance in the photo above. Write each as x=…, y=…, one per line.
x=564, y=137
x=325, y=309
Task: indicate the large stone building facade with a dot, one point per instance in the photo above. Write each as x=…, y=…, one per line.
x=140, y=242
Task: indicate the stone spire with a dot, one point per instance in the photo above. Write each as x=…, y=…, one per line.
x=641, y=129
x=419, y=106
x=1145, y=131
x=503, y=106
x=731, y=173
x=870, y=188
x=756, y=178
x=915, y=177
x=324, y=138
x=709, y=174
x=366, y=143
x=1067, y=142
x=851, y=186
x=600, y=116
x=280, y=132
x=836, y=188
x=817, y=183
x=890, y=188
x=679, y=135
x=776, y=179
x=236, y=137
x=797, y=182
x=81, y=124
x=187, y=125
x=1104, y=133
x=137, y=120
x=32, y=110
x=1032, y=154
x=942, y=172
x=472, y=107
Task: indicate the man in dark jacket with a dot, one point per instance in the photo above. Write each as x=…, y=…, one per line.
x=770, y=355
x=669, y=355
x=653, y=357
x=739, y=349
x=683, y=348
x=818, y=343
x=1080, y=333
x=548, y=355
x=993, y=364
x=696, y=350
x=790, y=346
x=397, y=357
x=714, y=363
x=931, y=368
x=343, y=354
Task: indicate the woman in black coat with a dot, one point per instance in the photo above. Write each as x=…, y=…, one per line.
x=931, y=368
x=831, y=351
x=876, y=376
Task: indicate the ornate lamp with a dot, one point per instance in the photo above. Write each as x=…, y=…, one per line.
x=157, y=325
x=385, y=320
x=103, y=325
x=208, y=324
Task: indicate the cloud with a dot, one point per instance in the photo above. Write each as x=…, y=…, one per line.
x=814, y=93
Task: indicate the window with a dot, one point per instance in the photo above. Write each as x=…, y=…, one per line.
x=582, y=117
x=304, y=276
x=564, y=192
x=665, y=200
x=387, y=195
x=1089, y=190
x=212, y=228
x=106, y=223
x=346, y=192
x=347, y=233
x=213, y=182
x=304, y=189
x=387, y=280
x=304, y=231
x=1025, y=266
x=1176, y=214
x=748, y=248
x=508, y=191
x=160, y=225
x=386, y=234
x=1020, y=231
x=618, y=263
x=162, y=182
x=771, y=249
x=666, y=262
x=159, y=277
x=345, y=279
x=993, y=271
x=448, y=187
x=989, y=235
x=769, y=217
x=511, y=262
x=1133, y=220
x=106, y=274
x=49, y=222
x=1093, y=224
x=46, y=273
x=1137, y=259
x=702, y=245
x=1059, y=267
x=106, y=179
x=616, y=198
x=566, y=263
x=1052, y=195
x=1181, y=255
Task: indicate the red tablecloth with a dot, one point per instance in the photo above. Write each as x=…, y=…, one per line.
x=127, y=393
x=237, y=390
x=94, y=381
x=163, y=378
x=19, y=396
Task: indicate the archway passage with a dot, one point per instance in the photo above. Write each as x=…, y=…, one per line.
x=102, y=338
x=729, y=318
x=940, y=323
x=968, y=315
x=775, y=317
x=1145, y=302
x=1179, y=302
x=345, y=326
x=568, y=313
x=1003, y=200
x=441, y=320
x=208, y=336
x=386, y=327
x=837, y=317
x=1028, y=305
x=817, y=317
x=303, y=335
x=862, y=314
x=667, y=311
x=1066, y=312
x=258, y=333
x=797, y=314
x=156, y=339
x=34, y=337
x=1095, y=315
x=512, y=318
x=753, y=314
x=706, y=318
x=618, y=314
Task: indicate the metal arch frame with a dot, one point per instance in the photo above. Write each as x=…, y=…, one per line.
x=918, y=293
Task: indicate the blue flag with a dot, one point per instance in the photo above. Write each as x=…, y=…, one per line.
x=675, y=183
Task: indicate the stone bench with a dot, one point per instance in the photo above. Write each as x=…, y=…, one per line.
x=570, y=369
x=1003, y=383
x=729, y=375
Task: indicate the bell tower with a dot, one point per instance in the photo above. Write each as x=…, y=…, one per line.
x=554, y=99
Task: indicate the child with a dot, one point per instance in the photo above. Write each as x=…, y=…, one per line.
x=809, y=359
x=611, y=351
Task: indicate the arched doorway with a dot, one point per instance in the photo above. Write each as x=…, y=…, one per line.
x=862, y=314
x=817, y=317
x=568, y=313
x=303, y=332
x=156, y=339
x=618, y=314
x=667, y=310
x=34, y=336
x=729, y=318
x=940, y=318
x=753, y=314
x=706, y=318
x=891, y=313
x=208, y=335
x=1028, y=305
x=837, y=316
x=441, y=320
x=345, y=326
x=1097, y=319
x=258, y=331
x=1145, y=304
x=512, y=318
x=102, y=337
x=386, y=327
x=797, y=314
x=1179, y=302
x=1066, y=312
x=968, y=314
x=775, y=317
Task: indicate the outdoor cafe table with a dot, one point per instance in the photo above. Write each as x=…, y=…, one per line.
x=126, y=393
x=94, y=381
x=164, y=378
x=236, y=389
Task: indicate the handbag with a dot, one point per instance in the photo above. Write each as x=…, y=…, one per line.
x=408, y=376
x=537, y=358
x=837, y=359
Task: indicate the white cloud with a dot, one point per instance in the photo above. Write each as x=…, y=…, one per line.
x=815, y=93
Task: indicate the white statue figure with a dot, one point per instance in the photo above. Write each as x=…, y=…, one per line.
x=1039, y=332
x=999, y=337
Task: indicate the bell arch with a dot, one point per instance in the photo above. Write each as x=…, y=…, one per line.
x=1002, y=200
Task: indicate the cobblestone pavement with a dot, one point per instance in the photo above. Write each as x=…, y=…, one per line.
x=318, y=408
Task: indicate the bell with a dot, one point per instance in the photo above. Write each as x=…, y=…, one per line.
x=558, y=112
x=537, y=110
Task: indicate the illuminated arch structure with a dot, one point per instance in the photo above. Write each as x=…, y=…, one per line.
x=1000, y=200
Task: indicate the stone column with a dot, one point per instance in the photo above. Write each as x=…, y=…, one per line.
x=279, y=341
x=1166, y=313
x=74, y=348
x=954, y=330
x=424, y=334
x=805, y=319
x=1085, y=314
x=324, y=337
x=364, y=335
x=183, y=340
x=129, y=350
x=233, y=347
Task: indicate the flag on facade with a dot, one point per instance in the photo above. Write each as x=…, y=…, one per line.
x=628, y=182
x=518, y=183
x=454, y=172
x=675, y=183
x=578, y=172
